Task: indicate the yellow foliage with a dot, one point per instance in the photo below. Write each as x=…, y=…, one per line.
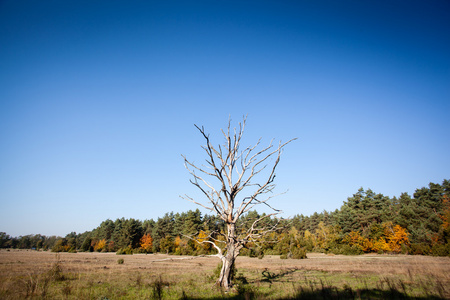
x=367, y=245
x=177, y=241
x=326, y=235
x=308, y=235
x=100, y=245
x=322, y=233
x=354, y=238
x=180, y=244
x=395, y=236
x=201, y=238
x=380, y=245
x=293, y=231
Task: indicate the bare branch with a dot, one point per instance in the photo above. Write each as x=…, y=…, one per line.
x=232, y=171
x=219, y=250
x=267, y=186
x=178, y=258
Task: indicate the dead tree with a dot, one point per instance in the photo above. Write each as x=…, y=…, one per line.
x=233, y=173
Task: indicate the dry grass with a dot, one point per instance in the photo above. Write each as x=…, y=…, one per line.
x=46, y=275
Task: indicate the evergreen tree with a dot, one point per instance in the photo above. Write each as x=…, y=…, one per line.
x=164, y=227
x=192, y=222
x=147, y=226
x=105, y=230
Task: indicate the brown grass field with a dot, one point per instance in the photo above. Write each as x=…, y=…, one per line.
x=46, y=275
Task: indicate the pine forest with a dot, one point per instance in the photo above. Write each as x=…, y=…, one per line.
x=367, y=222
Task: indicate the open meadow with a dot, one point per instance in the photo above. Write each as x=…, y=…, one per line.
x=46, y=275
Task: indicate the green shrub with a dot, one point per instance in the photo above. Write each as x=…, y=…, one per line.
x=295, y=253
x=246, y=291
x=420, y=249
x=441, y=250
x=140, y=251
x=123, y=251
x=120, y=261
x=298, y=253
x=55, y=273
x=256, y=252
x=271, y=252
x=244, y=252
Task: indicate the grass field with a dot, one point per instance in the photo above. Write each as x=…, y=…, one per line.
x=46, y=275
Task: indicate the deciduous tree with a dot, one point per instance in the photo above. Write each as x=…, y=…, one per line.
x=100, y=245
x=229, y=173
x=147, y=243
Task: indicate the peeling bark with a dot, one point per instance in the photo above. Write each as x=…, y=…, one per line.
x=228, y=260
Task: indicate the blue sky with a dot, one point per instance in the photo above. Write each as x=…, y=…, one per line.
x=98, y=102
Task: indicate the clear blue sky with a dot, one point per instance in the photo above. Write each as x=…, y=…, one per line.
x=98, y=101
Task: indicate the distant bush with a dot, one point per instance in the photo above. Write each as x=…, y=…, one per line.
x=123, y=251
x=55, y=273
x=140, y=251
x=298, y=253
x=295, y=253
x=347, y=250
x=441, y=250
x=120, y=261
x=252, y=252
x=244, y=252
x=256, y=252
x=420, y=249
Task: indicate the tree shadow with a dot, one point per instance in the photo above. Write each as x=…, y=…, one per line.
x=322, y=291
x=324, y=294
x=269, y=277
x=347, y=294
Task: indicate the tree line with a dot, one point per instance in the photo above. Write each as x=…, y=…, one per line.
x=366, y=222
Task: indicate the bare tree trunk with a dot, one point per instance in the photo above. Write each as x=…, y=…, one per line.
x=228, y=260
x=225, y=278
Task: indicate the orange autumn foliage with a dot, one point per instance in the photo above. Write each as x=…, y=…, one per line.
x=391, y=241
x=445, y=215
x=354, y=238
x=147, y=242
